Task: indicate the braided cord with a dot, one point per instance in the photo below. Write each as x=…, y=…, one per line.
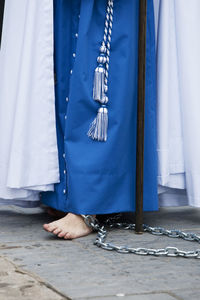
x=107, y=39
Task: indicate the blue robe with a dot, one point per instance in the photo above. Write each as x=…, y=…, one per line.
x=99, y=177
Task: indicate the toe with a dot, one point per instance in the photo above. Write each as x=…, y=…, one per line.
x=46, y=227
x=62, y=234
x=68, y=236
x=57, y=231
x=51, y=226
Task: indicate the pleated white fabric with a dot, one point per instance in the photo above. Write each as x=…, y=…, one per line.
x=28, y=145
x=178, y=73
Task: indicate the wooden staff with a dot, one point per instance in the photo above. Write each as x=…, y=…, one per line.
x=2, y=3
x=141, y=114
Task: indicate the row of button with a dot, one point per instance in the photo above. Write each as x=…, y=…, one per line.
x=67, y=99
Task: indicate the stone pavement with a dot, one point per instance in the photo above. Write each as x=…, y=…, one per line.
x=16, y=283
x=35, y=264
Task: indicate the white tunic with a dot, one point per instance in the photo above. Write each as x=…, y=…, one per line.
x=28, y=145
x=178, y=73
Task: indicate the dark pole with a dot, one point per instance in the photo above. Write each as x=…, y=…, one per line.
x=141, y=114
x=2, y=3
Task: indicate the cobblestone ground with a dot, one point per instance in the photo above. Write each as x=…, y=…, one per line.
x=35, y=264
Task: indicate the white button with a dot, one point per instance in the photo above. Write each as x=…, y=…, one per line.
x=65, y=117
x=64, y=191
x=74, y=54
x=67, y=99
x=63, y=155
x=76, y=35
x=71, y=71
x=64, y=171
x=79, y=16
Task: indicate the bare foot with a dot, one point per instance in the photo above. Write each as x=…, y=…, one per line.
x=70, y=227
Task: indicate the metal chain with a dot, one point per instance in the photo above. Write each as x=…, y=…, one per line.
x=168, y=251
x=101, y=229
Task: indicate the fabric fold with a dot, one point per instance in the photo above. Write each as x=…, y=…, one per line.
x=28, y=149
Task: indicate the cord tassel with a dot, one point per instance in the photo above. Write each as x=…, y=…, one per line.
x=99, y=127
x=99, y=84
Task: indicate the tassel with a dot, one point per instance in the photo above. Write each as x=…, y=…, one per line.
x=99, y=84
x=99, y=127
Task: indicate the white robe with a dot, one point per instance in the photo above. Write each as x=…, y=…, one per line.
x=178, y=73
x=28, y=145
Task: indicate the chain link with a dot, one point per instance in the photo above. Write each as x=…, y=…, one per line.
x=168, y=251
